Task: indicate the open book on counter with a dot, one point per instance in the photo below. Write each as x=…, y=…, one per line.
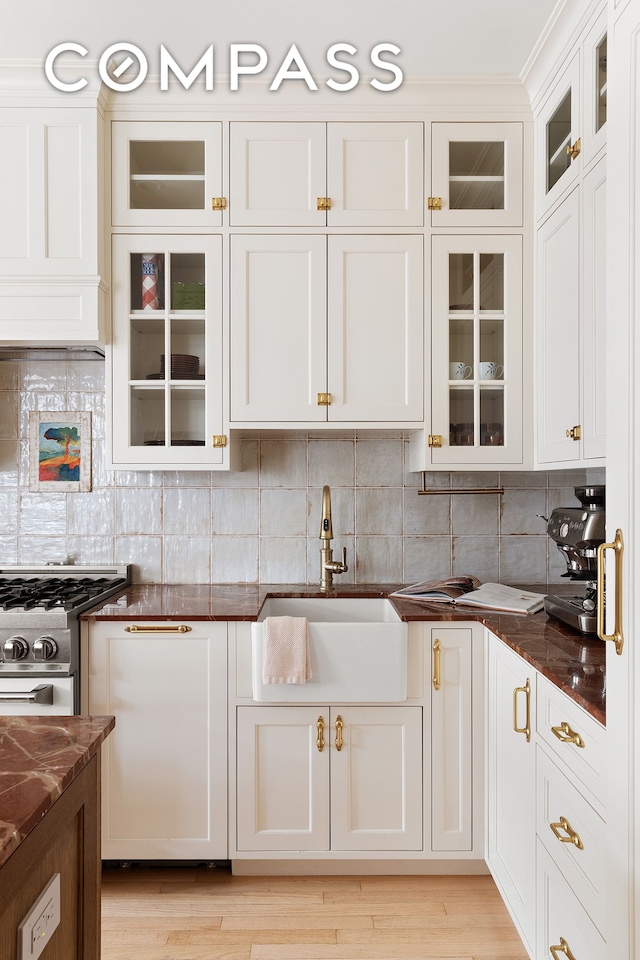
x=469, y=591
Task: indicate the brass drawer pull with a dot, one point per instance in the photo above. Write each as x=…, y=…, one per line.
x=617, y=636
x=567, y=735
x=572, y=836
x=562, y=948
x=320, y=738
x=527, y=727
x=339, y=729
x=159, y=628
x=437, y=665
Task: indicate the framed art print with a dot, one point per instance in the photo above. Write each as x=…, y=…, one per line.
x=59, y=452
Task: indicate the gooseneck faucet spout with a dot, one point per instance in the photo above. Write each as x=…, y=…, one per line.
x=329, y=566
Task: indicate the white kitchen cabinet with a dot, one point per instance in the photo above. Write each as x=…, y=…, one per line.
x=476, y=175
x=594, y=86
x=511, y=822
x=558, y=137
x=329, y=778
x=571, y=326
x=167, y=302
x=476, y=350
x=164, y=769
x=593, y=319
x=558, y=335
x=452, y=739
x=167, y=174
x=52, y=287
x=564, y=925
x=326, y=174
x=326, y=329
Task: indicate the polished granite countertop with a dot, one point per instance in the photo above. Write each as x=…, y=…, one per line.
x=572, y=661
x=39, y=759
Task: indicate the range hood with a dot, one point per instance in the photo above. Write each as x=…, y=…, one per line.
x=44, y=354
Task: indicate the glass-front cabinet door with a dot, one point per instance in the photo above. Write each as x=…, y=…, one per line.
x=167, y=364
x=594, y=69
x=476, y=414
x=167, y=174
x=476, y=174
x=559, y=137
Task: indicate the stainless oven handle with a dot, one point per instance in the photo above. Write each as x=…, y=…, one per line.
x=43, y=693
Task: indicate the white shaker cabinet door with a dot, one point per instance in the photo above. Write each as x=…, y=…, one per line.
x=164, y=768
x=278, y=328
x=511, y=825
x=451, y=739
x=282, y=779
x=375, y=328
x=278, y=171
x=558, y=333
x=594, y=311
x=376, y=778
x=375, y=174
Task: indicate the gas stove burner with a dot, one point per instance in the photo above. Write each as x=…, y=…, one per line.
x=49, y=593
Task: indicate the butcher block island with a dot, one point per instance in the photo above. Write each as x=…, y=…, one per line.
x=49, y=830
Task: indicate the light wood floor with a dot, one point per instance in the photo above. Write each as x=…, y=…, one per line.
x=207, y=914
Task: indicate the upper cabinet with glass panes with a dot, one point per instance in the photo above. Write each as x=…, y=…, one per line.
x=167, y=174
x=571, y=126
x=476, y=174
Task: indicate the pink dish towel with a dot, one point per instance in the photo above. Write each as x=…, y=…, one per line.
x=285, y=651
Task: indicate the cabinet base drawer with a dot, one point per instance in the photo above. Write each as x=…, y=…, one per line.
x=561, y=917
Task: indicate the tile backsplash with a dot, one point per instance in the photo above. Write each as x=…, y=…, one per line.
x=262, y=523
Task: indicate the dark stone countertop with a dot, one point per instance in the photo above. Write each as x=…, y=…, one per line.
x=39, y=759
x=572, y=661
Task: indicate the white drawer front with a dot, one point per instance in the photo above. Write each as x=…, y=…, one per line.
x=562, y=918
x=573, y=834
x=558, y=719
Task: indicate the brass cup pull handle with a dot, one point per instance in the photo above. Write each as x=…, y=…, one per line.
x=571, y=835
x=527, y=727
x=320, y=737
x=562, y=948
x=159, y=628
x=567, y=735
x=617, y=636
x=339, y=729
x=437, y=664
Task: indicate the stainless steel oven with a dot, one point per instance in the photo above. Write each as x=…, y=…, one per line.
x=40, y=608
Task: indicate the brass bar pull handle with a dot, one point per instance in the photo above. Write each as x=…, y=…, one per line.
x=527, y=727
x=339, y=729
x=567, y=735
x=562, y=948
x=571, y=835
x=437, y=665
x=320, y=737
x=617, y=636
x=159, y=628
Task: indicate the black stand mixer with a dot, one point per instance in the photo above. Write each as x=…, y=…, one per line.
x=578, y=532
